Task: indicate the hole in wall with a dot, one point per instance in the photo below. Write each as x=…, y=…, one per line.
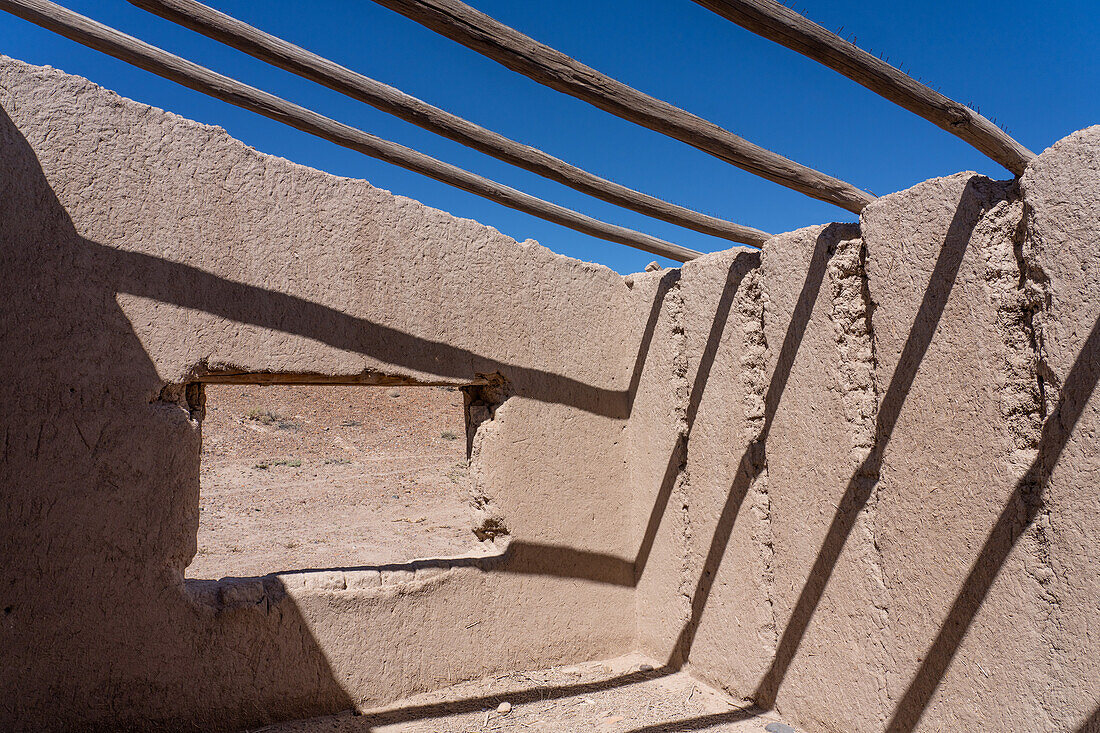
x=298, y=477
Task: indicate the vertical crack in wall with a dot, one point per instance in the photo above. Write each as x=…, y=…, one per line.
x=754, y=374
x=674, y=300
x=754, y=365
x=851, y=317
x=1021, y=293
x=1018, y=293
x=856, y=381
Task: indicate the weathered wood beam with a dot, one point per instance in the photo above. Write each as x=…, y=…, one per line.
x=102, y=38
x=297, y=60
x=778, y=23
x=522, y=54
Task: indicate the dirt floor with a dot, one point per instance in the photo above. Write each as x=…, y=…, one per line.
x=625, y=695
x=318, y=477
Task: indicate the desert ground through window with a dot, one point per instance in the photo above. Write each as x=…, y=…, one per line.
x=302, y=477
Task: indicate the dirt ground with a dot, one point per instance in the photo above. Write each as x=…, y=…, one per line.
x=315, y=477
x=629, y=694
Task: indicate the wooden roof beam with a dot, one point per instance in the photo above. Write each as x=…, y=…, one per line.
x=780, y=24
x=150, y=58
x=285, y=55
x=524, y=55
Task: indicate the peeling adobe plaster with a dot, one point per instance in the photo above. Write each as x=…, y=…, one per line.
x=851, y=317
x=1060, y=190
x=857, y=383
x=754, y=374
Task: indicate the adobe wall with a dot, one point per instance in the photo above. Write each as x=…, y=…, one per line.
x=140, y=252
x=852, y=476
x=885, y=516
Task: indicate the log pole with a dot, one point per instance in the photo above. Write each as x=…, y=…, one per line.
x=780, y=24
x=150, y=58
x=297, y=60
x=522, y=54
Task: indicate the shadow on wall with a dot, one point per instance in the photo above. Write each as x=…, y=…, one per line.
x=864, y=478
x=1018, y=514
x=563, y=561
x=542, y=694
x=1021, y=509
x=753, y=459
x=1092, y=725
x=92, y=590
x=101, y=488
x=100, y=493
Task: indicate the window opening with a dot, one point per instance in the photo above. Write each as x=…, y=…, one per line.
x=322, y=476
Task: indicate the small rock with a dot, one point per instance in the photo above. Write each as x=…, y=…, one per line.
x=394, y=393
x=779, y=728
x=645, y=667
x=652, y=266
x=504, y=708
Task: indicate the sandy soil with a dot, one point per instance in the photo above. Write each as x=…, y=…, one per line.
x=322, y=477
x=623, y=695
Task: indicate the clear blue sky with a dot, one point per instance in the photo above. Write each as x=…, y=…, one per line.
x=1032, y=66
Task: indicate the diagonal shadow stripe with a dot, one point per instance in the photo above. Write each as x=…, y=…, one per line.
x=701, y=722
x=1019, y=512
x=516, y=697
x=752, y=460
x=865, y=477
x=734, y=276
x=1092, y=725
x=165, y=281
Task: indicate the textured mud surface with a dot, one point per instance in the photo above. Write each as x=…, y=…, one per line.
x=853, y=475
x=311, y=477
x=623, y=695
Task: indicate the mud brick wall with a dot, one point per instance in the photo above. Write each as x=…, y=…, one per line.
x=884, y=506
x=141, y=252
x=852, y=476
